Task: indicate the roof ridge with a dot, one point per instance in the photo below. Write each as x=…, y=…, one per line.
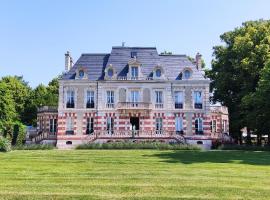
x=93, y=54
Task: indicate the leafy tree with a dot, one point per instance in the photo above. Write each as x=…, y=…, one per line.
x=236, y=71
x=20, y=93
x=7, y=110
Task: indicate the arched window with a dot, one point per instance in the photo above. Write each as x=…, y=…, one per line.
x=110, y=72
x=81, y=73
x=158, y=73
x=199, y=126
x=187, y=74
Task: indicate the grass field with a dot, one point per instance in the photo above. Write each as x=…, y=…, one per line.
x=134, y=174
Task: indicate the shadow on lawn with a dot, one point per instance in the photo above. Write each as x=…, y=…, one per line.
x=190, y=157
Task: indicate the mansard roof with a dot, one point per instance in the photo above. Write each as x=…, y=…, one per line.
x=147, y=57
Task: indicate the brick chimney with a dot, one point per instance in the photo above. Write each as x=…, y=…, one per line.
x=68, y=61
x=198, y=61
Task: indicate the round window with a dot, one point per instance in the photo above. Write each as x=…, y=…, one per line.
x=81, y=73
x=187, y=74
x=158, y=73
x=110, y=72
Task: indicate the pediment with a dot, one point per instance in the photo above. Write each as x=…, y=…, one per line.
x=134, y=61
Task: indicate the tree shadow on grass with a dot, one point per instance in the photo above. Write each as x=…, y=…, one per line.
x=191, y=157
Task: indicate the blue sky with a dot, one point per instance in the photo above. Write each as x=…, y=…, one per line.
x=34, y=35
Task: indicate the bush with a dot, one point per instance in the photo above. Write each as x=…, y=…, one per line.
x=244, y=147
x=33, y=147
x=139, y=145
x=5, y=144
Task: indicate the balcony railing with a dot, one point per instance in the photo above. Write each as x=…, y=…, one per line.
x=133, y=105
x=159, y=105
x=109, y=105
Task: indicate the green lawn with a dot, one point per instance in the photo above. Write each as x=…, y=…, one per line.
x=134, y=174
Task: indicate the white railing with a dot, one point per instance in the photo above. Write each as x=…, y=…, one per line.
x=110, y=105
x=159, y=105
x=133, y=105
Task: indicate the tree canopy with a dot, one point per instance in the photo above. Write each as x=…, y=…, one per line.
x=237, y=69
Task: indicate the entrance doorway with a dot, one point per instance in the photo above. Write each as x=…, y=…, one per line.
x=135, y=122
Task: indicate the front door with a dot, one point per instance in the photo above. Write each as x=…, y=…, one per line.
x=135, y=123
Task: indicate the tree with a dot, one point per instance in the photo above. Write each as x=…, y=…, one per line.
x=7, y=110
x=236, y=71
x=20, y=93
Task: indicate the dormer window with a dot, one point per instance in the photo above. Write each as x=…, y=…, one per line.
x=110, y=72
x=133, y=54
x=81, y=73
x=158, y=73
x=187, y=74
x=134, y=72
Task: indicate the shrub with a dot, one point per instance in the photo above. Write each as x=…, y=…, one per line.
x=138, y=145
x=244, y=147
x=34, y=147
x=5, y=144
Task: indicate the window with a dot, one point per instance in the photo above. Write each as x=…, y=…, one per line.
x=81, y=73
x=133, y=54
x=70, y=99
x=134, y=98
x=178, y=99
x=224, y=126
x=110, y=122
x=110, y=72
x=90, y=99
x=199, y=126
x=198, y=99
x=90, y=125
x=158, y=73
x=110, y=99
x=179, y=125
x=213, y=126
x=159, y=99
x=53, y=125
x=69, y=128
x=158, y=125
x=187, y=74
x=134, y=72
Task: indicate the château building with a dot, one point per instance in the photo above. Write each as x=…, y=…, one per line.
x=132, y=93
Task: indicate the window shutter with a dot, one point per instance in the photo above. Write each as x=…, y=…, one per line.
x=146, y=95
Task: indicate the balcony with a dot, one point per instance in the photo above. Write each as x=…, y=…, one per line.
x=159, y=105
x=133, y=105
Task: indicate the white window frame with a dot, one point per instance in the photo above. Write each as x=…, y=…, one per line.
x=179, y=124
x=110, y=99
x=133, y=73
x=159, y=98
x=109, y=125
x=159, y=125
x=90, y=94
x=69, y=124
x=90, y=124
x=200, y=125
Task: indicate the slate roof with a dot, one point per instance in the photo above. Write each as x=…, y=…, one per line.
x=95, y=64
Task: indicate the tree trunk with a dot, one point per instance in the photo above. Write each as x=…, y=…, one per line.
x=248, y=136
x=259, y=140
x=268, y=139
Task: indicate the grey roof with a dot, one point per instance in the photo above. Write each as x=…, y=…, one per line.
x=95, y=64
